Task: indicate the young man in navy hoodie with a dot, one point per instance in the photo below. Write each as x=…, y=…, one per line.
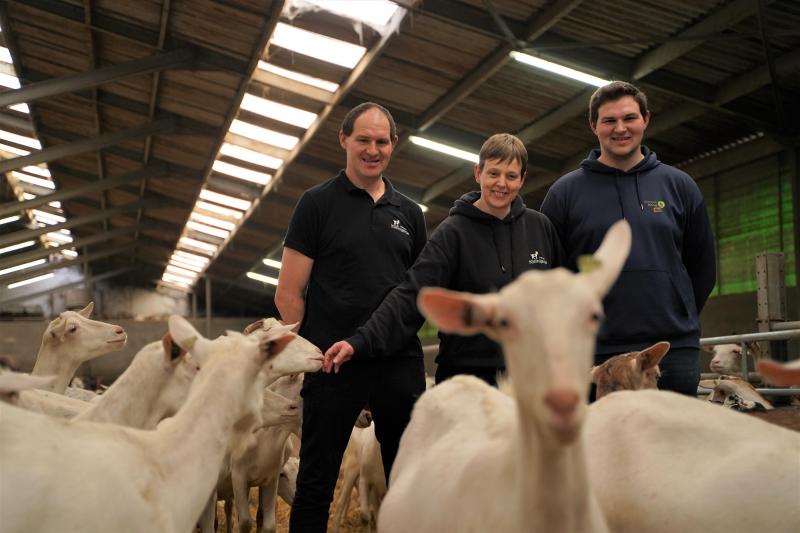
x=670, y=271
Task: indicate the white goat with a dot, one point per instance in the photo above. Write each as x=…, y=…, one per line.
x=140, y=480
x=362, y=464
x=736, y=394
x=243, y=453
x=630, y=371
x=653, y=471
x=71, y=339
x=13, y=383
x=727, y=358
x=153, y=387
x=468, y=444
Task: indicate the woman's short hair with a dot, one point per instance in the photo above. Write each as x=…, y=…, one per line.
x=505, y=148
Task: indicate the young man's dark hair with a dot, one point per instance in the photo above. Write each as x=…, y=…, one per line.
x=360, y=109
x=614, y=91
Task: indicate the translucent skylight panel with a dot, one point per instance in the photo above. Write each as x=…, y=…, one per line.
x=13, y=149
x=373, y=12
x=211, y=221
x=208, y=230
x=7, y=80
x=251, y=156
x=33, y=180
x=218, y=210
x=5, y=55
x=198, y=245
x=20, y=139
x=177, y=262
x=191, y=258
x=317, y=46
x=181, y=271
x=277, y=111
x=39, y=171
x=224, y=199
x=168, y=276
x=281, y=140
x=8, y=220
x=242, y=173
x=319, y=83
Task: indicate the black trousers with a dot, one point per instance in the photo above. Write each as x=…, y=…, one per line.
x=331, y=404
x=680, y=371
x=487, y=374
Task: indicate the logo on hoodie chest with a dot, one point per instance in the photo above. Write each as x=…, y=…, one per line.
x=654, y=206
x=537, y=259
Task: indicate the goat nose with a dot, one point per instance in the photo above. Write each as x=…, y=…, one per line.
x=119, y=331
x=562, y=401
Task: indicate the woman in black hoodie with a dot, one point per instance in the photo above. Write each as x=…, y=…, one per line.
x=488, y=239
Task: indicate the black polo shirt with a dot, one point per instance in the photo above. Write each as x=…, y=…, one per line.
x=361, y=250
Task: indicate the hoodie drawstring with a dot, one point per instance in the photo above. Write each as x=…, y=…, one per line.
x=638, y=197
x=619, y=195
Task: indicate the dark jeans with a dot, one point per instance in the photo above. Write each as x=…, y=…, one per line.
x=487, y=374
x=331, y=404
x=680, y=371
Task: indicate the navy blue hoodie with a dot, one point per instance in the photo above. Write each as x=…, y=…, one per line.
x=470, y=251
x=670, y=271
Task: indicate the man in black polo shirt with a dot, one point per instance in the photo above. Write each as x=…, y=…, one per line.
x=350, y=241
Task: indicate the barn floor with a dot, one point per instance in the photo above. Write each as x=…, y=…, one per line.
x=351, y=524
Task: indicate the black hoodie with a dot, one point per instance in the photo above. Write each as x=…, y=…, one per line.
x=470, y=251
x=670, y=270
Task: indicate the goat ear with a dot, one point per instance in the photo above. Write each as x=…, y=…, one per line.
x=595, y=374
x=652, y=356
x=59, y=329
x=781, y=375
x=183, y=333
x=272, y=345
x=457, y=312
x=86, y=312
x=171, y=348
x=611, y=255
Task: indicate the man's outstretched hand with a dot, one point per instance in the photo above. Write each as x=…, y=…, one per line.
x=340, y=352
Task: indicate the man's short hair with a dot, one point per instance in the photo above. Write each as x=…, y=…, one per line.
x=360, y=109
x=612, y=92
x=506, y=148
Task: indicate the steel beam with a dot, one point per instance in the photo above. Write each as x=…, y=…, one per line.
x=80, y=260
x=24, y=235
x=175, y=59
x=60, y=288
x=495, y=61
x=89, y=144
x=17, y=123
x=158, y=169
x=18, y=259
x=721, y=19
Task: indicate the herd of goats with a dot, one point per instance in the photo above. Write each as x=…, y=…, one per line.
x=192, y=421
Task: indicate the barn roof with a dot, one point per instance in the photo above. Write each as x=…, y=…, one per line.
x=138, y=112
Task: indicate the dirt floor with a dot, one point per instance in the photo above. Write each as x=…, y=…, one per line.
x=351, y=524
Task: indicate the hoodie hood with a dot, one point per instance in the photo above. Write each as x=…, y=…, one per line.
x=465, y=206
x=592, y=165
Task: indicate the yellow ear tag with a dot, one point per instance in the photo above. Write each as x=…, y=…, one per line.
x=188, y=344
x=588, y=263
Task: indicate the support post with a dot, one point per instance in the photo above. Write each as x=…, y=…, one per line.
x=208, y=307
x=771, y=297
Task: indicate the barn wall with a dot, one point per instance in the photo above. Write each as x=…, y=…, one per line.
x=20, y=339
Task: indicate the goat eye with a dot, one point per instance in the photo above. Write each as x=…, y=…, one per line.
x=72, y=328
x=597, y=318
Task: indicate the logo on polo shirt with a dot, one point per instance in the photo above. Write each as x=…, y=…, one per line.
x=399, y=227
x=537, y=259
